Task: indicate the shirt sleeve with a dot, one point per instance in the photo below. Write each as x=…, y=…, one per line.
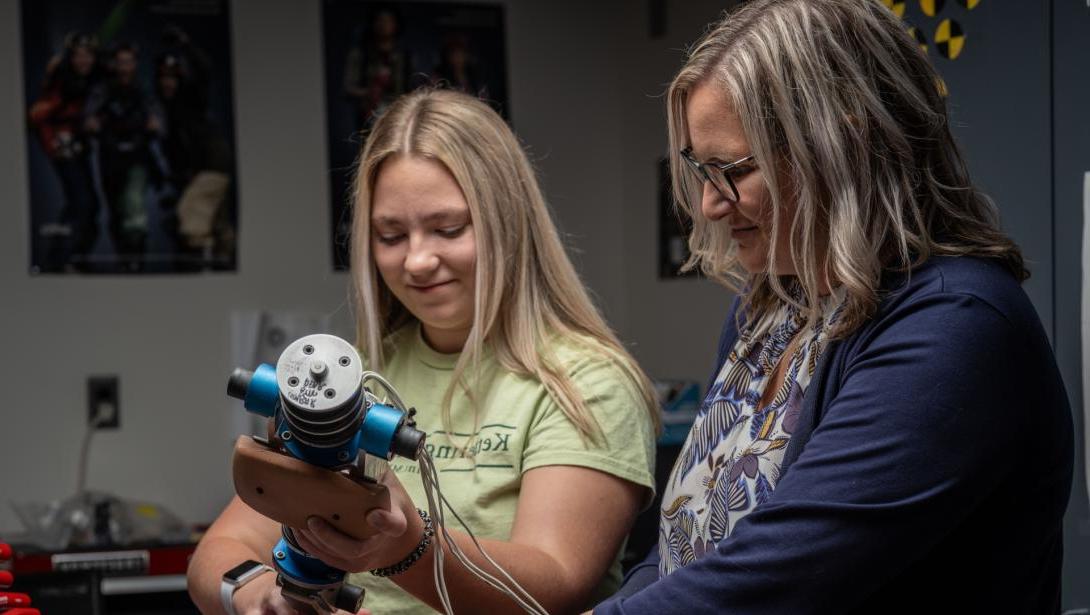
x=625, y=447
x=920, y=432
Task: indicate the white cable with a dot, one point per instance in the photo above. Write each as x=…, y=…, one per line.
x=437, y=560
x=389, y=388
x=85, y=453
x=462, y=558
x=436, y=502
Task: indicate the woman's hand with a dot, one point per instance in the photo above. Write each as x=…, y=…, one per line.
x=262, y=597
x=398, y=532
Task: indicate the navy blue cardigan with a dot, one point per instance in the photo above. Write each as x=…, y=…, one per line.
x=929, y=472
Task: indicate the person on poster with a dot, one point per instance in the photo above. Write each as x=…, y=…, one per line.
x=457, y=69
x=194, y=195
x=123, y=128
x=887, y=430
x=57, y=120
x=378, y=67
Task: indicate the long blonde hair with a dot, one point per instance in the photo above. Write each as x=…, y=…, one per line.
x=528, y=294
x=836, y=96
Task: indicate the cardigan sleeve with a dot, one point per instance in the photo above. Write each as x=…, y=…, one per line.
x=922, y=429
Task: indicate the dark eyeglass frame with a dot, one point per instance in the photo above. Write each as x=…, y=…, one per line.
x=719, y=177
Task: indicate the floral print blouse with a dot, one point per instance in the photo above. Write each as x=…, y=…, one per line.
x=730, y=463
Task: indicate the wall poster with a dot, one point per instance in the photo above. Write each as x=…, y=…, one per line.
x=376, y=51
x=130, y=147
x=674, y=229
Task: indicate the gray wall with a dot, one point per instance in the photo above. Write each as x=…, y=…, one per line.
x=584, y=103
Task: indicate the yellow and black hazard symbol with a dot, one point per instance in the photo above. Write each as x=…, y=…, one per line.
x=941, y=86
x=949, y=39
x=932, y=7
x=969, y=4
x=898, y=6
x=919, y=37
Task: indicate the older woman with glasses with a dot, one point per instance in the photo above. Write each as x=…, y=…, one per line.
x=887, y=430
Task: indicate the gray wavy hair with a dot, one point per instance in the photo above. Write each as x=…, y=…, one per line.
x=836, y=97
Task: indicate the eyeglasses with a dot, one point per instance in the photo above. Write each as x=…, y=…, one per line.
x=720, y=175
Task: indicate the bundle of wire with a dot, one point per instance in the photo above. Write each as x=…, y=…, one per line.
x=436, y=503
x=444, y=541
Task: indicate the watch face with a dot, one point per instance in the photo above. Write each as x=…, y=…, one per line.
x=236, y=573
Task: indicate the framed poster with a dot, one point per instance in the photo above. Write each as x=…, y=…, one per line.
x=131, y=136
x=674, y=229
x=376, y=51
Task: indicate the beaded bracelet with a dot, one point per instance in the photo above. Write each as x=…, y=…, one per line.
x=413, y=557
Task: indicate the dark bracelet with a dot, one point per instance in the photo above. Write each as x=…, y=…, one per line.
x=413, y=557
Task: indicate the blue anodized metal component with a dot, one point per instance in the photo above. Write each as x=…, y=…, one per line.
x=380, y=424
x=303, y=568
x=263, y=395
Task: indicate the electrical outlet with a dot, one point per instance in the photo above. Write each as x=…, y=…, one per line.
x=103, y=402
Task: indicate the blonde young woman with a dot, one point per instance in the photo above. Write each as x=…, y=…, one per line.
x=540, y=424
x=888, y=431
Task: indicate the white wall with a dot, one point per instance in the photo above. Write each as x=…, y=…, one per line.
x=584, y=86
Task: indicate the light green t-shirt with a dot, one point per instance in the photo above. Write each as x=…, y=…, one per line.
x=520, y=428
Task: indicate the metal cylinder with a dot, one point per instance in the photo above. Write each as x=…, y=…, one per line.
x=349, y=598
x=319, y=381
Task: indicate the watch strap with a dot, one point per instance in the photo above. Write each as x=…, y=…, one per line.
x=228, y=588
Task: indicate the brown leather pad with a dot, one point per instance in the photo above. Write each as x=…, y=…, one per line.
x=288, y=490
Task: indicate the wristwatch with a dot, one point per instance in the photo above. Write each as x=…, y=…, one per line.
x=235, y=578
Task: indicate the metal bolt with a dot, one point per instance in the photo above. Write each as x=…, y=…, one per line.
x=285, y=435
x=330, y=393
x=280, y=555
x=308, y=349
x=342, y=456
